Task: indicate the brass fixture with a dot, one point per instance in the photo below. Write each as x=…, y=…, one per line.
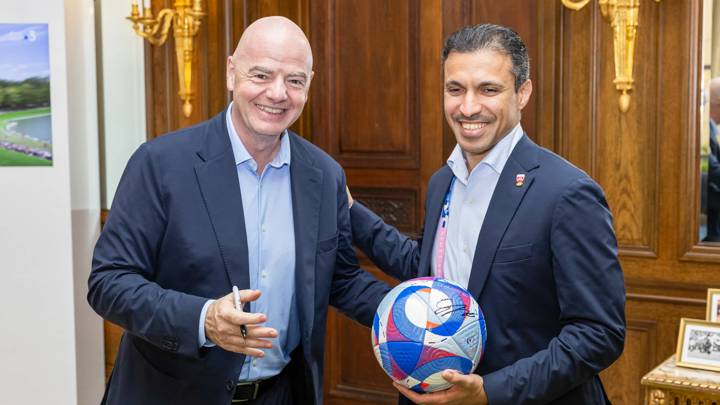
x=623, y=18
x=186, y=16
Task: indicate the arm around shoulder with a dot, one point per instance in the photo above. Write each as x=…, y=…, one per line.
x=393, y=252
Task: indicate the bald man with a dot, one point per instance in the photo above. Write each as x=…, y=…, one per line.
x=238, y=200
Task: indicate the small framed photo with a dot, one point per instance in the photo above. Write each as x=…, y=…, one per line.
x=698, y=344
x=713, y=305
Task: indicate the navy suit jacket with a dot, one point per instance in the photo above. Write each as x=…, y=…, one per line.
x=545, y=273
x=175, y=237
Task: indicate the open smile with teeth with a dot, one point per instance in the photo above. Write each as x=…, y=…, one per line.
x=473, y=125
x=270, y=110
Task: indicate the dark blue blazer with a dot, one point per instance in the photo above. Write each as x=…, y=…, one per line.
x=545, y=273
x=175, y=237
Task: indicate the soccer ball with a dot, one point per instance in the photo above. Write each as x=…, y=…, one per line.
x=424, y=326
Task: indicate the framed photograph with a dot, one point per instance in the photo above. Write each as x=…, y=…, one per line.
x=25, y=114
x=698, y=344
x=713, y=305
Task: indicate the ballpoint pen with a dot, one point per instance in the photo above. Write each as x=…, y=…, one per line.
x=238, y=306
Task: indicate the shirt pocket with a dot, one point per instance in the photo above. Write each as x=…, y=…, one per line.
x=513, y=254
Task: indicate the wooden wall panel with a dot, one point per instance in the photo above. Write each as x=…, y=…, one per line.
x=373, y=69
x=627, y=144
x=620, y=150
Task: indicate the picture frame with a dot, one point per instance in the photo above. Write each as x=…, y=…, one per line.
x=698, y=344
x=713, y=305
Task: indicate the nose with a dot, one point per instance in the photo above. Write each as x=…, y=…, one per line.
x=470, y=105
x=277, y=91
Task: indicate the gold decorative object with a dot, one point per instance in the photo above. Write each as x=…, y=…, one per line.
x=669, y=383
x=186, y=16
x=623, y=18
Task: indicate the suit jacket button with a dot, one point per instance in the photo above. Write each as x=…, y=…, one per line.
x=229, y=385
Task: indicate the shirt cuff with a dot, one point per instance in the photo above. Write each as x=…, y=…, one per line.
x=203, y=341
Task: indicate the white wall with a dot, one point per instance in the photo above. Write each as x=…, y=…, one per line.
x=51, y=344
x=123, y=92
x=84, y=192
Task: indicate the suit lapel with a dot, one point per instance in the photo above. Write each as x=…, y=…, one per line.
x=504, y=203
x=220, y=189
x=435, y=198
x=306, y=186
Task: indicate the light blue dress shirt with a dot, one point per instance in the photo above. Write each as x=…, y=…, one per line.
x=469, y=203
x=267, y=205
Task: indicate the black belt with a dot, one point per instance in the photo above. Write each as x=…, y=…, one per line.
x=249, y=390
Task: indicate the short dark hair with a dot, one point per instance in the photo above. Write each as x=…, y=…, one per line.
x=495, y=37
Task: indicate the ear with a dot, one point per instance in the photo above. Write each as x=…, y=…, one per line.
x=524, y=93
x=310, y=77
x=230, y=74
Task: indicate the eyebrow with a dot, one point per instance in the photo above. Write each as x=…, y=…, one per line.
x=260, y=68
x=269, y=71
x=481, y=84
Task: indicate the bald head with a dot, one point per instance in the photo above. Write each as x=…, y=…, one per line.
x=269, y=75
x=275, y=34
x=715, y=99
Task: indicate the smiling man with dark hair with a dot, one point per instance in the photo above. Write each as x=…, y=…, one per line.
x=529, y=235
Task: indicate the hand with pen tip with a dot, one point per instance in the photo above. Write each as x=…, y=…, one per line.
x=235, y=330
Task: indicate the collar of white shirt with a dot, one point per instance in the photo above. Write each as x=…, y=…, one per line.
x=495, y=159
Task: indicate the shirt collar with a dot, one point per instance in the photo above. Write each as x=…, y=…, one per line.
x=241, y=153
x=495, y=159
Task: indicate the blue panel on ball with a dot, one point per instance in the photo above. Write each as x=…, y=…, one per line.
x=461, y=364
x=385, y=357
x=405, y=354
x=376, y=327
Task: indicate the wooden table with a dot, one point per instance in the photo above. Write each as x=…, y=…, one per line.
x=669, y=384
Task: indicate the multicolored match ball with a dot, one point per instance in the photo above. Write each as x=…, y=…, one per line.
x=424, y=326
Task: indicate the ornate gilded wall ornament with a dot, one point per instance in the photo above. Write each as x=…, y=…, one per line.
x=623, y=18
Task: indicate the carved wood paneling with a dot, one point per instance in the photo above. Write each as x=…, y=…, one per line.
x=395, y=206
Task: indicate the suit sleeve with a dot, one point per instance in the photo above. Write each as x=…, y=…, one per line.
x=591, y=296
x=121, y=287
x=354, y=291
x=393, y=252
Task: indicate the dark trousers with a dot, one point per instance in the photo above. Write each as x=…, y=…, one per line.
x=279, y=394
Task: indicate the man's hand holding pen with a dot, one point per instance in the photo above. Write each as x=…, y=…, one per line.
x=224, y=325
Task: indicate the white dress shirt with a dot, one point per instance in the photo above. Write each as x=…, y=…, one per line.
x=469, y=203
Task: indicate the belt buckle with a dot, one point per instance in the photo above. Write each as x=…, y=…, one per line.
x=256, y=387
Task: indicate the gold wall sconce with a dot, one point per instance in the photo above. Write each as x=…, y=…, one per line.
x=185, y=16
x=623, y=18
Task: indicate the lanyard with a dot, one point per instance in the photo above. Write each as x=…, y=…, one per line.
x=442, y=232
